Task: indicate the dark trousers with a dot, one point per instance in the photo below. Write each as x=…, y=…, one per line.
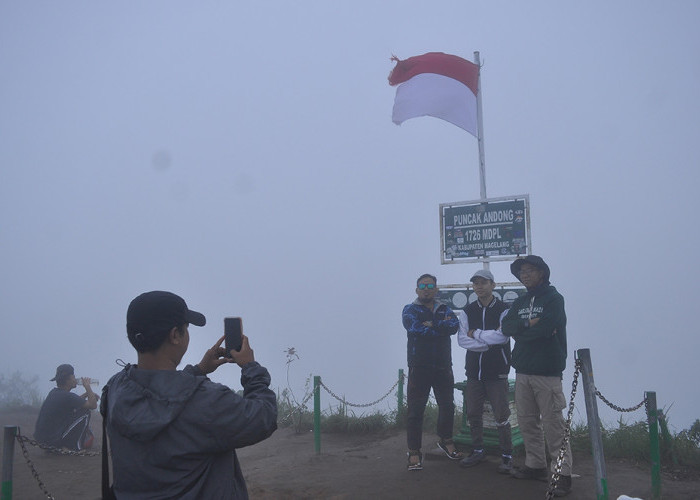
x=496, y=391
x=420, y=380
x=77, y=435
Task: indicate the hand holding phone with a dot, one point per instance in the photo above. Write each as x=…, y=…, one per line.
x=233, y=332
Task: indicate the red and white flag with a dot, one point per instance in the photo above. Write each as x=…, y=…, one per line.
x=436, y=84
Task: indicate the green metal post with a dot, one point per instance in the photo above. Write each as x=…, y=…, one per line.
x=654, y=444
x=317, y=414
x=8, y=452
x=399, y=413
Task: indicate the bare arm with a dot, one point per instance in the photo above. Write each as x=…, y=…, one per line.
x=91, y=397
x=214, y=358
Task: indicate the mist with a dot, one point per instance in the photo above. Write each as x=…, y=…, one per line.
x=243, y=156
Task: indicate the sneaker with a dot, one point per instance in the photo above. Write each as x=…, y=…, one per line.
x=529, y=473
x=415, y=465
x=563, y=486
x=506, y=465
x=474, y=458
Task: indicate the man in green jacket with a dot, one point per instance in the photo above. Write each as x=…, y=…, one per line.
x=537, y=323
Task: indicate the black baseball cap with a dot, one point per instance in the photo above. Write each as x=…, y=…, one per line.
x=62, y=372
x=154, y=312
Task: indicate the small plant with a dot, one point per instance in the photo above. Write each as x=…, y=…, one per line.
x=289, y=410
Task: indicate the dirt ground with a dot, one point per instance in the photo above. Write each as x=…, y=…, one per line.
x=286, y=466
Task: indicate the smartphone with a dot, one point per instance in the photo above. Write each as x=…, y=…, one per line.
x=233, y=330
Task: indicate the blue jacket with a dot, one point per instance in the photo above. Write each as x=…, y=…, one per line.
x=429, y=345
x=173, y=434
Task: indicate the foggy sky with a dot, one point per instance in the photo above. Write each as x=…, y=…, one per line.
x=243, y=156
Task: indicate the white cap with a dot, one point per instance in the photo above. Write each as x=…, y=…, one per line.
x=483, y=273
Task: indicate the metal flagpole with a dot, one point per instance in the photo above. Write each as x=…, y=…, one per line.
x=480, y=131
x=480, y=137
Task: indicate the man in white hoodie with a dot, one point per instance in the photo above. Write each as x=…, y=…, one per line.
x=487, y=366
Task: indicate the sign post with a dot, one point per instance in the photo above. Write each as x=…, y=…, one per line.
x=485, y=230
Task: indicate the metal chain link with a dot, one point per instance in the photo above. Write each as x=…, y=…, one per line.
x=30, y=464
x=299, y=407
x=342, y=400
x=618, y=408
x=567, y=435
x=23, y=440
x=58, y=451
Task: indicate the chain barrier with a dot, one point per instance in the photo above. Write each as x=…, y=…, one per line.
x=344, y=402
x=618, y=408
x=300, y=407
x=567, y=435
x=24, y=440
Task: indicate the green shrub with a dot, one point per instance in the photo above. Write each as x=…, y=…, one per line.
x=631, y=441
x=686, y=446
x=17, y=391
x=627, y=441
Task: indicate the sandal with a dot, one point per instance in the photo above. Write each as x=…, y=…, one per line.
x=452, y=455
x=415, y=465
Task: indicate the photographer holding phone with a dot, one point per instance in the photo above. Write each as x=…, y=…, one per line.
x=173, y=433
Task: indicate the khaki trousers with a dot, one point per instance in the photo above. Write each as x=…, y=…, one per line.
x=539, y=402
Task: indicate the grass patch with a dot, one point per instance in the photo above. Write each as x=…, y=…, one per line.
x=631, y=442
x=628, y=441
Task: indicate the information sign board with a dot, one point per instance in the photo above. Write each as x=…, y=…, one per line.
x=485, y=230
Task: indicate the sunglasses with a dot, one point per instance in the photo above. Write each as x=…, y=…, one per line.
x=423, y=286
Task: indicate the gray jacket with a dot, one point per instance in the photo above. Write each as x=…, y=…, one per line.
x=173, y=434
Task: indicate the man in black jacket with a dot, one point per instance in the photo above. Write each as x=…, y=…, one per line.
x=173, y=433
x=429, y=326
x=537, y=323
x=487, y=366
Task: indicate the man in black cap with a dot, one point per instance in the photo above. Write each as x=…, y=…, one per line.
x=487, y=364
x=173, y=433
x=64, y=418
x=537, y=322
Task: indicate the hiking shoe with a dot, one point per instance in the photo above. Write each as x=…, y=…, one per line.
x=474, y=458
x=529, y=473
x=506, y=465
x=415, y=465
x=563, y=486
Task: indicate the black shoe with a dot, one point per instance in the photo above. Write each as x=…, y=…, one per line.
x=563, y=486
x=475, y=457
x=506, y=466
x=529, y=473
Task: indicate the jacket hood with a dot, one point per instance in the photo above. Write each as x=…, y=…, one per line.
x=535, y=260
x=141, y=403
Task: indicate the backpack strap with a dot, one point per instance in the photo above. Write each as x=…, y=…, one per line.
x=107, y=493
